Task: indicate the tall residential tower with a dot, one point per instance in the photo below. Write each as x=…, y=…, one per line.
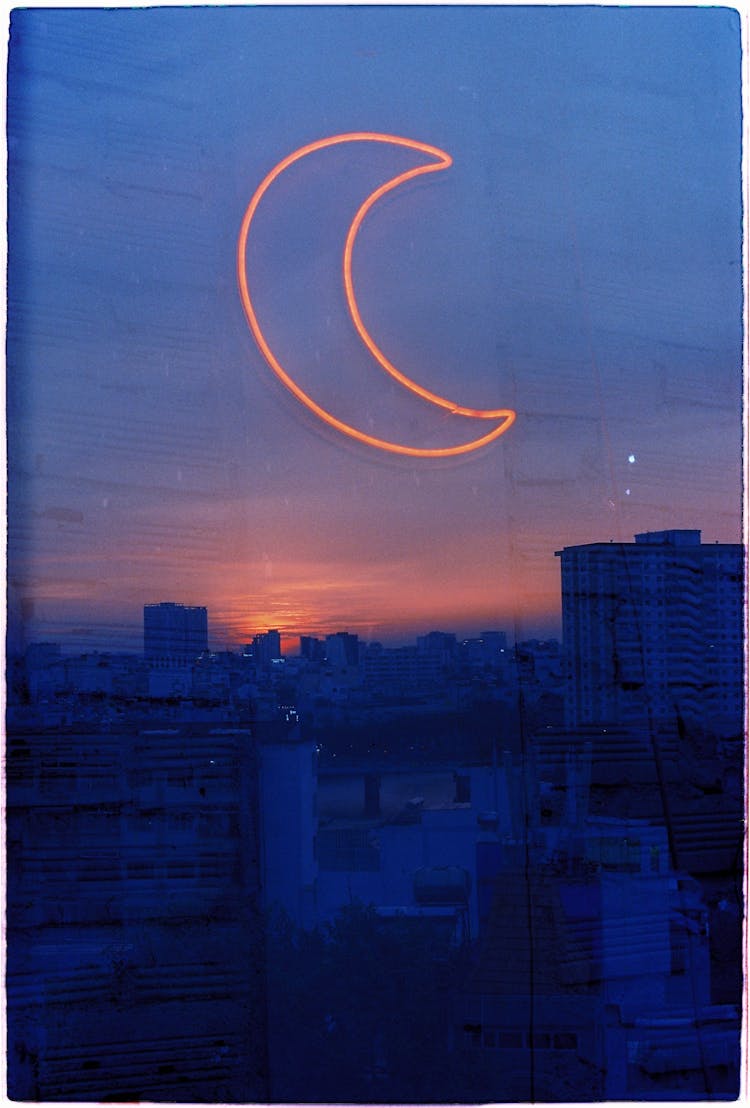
x=652, y=631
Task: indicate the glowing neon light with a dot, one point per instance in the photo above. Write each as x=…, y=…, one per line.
x=505, y=415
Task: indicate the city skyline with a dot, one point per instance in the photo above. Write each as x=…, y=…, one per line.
x=579, y=262
x=165, y=619
x=129, y=635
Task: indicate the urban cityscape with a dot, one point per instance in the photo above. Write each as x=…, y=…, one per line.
x=460, y=870
x=376, y=576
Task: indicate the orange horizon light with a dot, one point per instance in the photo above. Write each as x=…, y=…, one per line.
x=444, y=160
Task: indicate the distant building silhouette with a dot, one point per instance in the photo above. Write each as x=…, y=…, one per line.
x=342, y=650
x=652, y=631
x=266, y=648
x=442, y=643
x=311, y=648
x=174, y=634
x=402, y=670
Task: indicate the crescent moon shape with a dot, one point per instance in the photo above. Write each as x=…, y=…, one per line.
x=505, y=415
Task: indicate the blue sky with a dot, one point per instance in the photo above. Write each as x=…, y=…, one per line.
x=580, y=262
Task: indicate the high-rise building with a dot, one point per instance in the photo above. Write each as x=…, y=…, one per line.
x=174, y=634
x=311, y=648
x=652, y=631
x=342, y=649
x=266, y=647
x=135, y=959
x=288, y=791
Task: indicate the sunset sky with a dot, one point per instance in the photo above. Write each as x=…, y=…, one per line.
x=580, y=262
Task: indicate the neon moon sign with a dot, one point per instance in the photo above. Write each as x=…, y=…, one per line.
x=503, y=416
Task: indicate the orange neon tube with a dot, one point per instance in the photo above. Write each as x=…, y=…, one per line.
x=443, y=161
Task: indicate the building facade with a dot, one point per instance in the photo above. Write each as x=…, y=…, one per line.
x=173, y=634
x=135, y=951
x=652, y=631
